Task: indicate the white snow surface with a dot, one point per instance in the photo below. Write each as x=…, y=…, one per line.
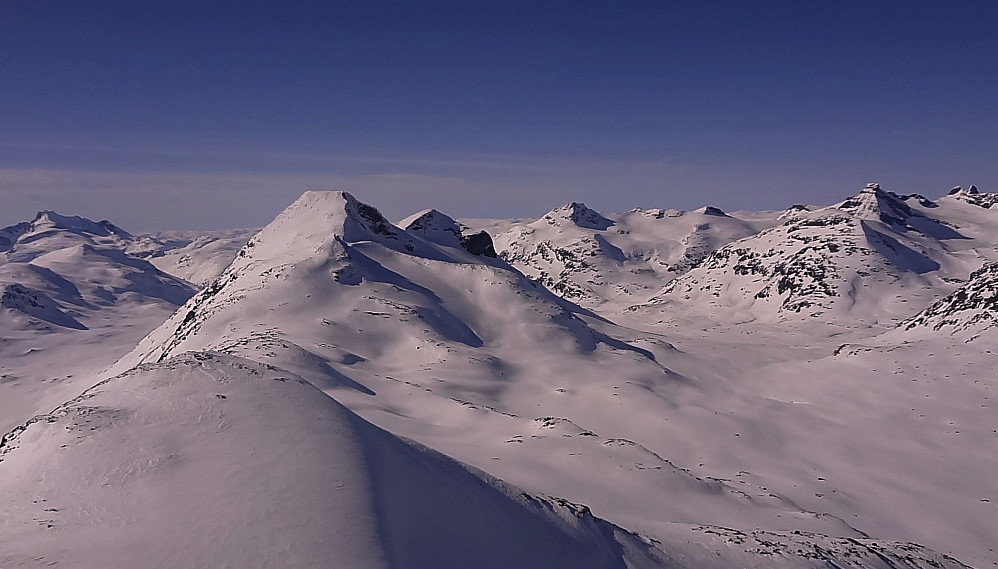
x=72, y=301
x=211, y=461
x=197, y=257
x=830, y=421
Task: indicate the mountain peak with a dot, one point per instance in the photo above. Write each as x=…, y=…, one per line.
x=435, y=227
x=580, y=215
x=972, y=190
x=317, y=218
x=974, y=196
x=874, y=202
x=440, y=228
x=50, y=219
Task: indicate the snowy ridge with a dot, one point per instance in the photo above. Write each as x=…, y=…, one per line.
x=166, y=455
x=875, y=203
x=974, y=196
x=197, y=257
x=836, y=259
x=593, y=259
x=577, y=214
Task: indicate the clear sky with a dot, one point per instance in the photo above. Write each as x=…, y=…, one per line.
x=206, y=114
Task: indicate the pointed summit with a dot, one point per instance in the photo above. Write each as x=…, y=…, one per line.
x=441, y=229
x=578, y=214
x=974, y=196
x=316, y=220
x=435, y=227
x=873, y=202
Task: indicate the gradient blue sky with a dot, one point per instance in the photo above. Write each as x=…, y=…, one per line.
x=177, y=114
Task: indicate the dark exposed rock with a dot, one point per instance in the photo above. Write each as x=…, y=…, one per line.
x=479, y=244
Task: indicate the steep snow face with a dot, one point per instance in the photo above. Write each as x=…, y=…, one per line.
x=8, y=235
x=849, y=261
x=875, y=203
x=619, y=260
x=208, y=460
x=434, y=226
x=968, y=312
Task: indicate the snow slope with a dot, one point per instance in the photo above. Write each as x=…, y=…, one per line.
x=197, y=257
x=209, y=460
x=72, y=300
x=969, y=311
x=592, y=258
x=463, y=353
x=830, y=423
x=873, y=259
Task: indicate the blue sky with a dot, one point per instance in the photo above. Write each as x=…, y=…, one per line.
x=179, y=114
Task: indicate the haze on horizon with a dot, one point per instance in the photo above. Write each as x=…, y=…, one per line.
x=188, y=116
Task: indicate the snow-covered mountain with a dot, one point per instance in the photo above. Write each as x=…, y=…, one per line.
x=969, y=311
x=799, y=428
x=592, y=258
x=197, y=257
x=72, y=300
x=868, y=259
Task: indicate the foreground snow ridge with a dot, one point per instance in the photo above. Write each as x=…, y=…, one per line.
x=802, y=388
x=209, y=460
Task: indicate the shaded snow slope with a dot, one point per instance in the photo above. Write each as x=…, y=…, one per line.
x=208, y=461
